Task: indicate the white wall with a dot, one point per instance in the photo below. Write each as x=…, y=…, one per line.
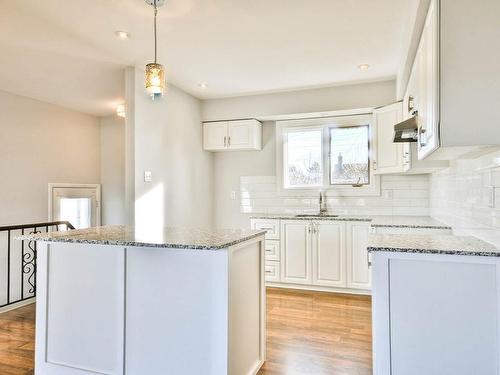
x=42, y=143
x=168, y=142
x=303, y=101
x=251, y=175
x=467, y=197
x=113, y=170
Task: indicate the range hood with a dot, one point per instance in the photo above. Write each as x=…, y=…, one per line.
x=406, y=131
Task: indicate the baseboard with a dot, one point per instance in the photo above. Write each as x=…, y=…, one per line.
x=317, y=288
x=256, y=368
x=17, y=305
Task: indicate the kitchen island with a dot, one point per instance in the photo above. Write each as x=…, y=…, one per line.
x=112, y=300
x=436, y=305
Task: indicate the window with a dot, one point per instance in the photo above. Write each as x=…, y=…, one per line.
x=326, y=154
x=349, y=156
x=303, y=158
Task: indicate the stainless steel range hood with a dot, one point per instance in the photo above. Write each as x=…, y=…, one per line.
x=406, y=131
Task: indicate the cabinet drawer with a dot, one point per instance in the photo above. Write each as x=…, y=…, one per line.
x=272, y=270
x=272, y=228
x=272, y=250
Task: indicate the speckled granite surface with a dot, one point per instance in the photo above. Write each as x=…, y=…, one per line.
x=425, y=222
x=431, y=244
x=295, y=217
x=183, y=238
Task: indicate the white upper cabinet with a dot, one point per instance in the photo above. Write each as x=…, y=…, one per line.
x=215, y=135
x=454, y=79
x=389, y=157
x=232, y=135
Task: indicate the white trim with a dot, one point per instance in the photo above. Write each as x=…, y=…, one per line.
x=373, y=189
x=17, y=305
x=97, y=187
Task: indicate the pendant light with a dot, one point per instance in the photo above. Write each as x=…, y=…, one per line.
x=155, y=73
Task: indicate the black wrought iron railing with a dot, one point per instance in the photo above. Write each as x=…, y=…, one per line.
x=18, y=260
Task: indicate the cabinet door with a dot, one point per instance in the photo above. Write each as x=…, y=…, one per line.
x=390, y=156
x=296, y=252
x=244, y=134
x=358, y=271
x=215, y=135
x=328, y=254
x=428, y=80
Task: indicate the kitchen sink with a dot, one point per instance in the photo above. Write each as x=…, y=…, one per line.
x=316, y=215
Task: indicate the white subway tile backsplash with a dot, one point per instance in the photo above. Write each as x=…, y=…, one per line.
x=400, y=195
x=466, y=197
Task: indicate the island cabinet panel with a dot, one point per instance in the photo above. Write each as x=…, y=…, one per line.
x=80, y=309
x=435, y=314
x=194, y=312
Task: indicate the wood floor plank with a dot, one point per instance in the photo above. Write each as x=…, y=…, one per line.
x=307, y=333
x=317, y=333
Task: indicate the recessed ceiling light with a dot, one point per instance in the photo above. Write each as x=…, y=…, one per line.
x=203, y=85
x=363, y=66
x=120, y=34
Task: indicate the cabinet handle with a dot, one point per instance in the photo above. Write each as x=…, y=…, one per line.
x=269, y=251
x=315, y=228
x=368, y=259
x=229, y=141
x=374, y=165
x=266, y=228
x=309, y=229
x=225, y=139
x=410, y=104
x=267, y=271
x=420, y=132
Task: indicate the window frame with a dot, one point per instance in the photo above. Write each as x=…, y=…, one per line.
x=325, y=123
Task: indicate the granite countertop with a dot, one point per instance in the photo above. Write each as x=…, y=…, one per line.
x=295, y=217
x=426, y=222
x=431, y=244
x=169, y=237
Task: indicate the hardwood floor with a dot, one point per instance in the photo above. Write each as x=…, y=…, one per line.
x=317, y=333
x=307, y=333
x=17, y=341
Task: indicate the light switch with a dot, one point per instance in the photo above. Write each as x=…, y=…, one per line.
x=148, y=176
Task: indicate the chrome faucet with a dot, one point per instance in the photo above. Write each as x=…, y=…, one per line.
x=322, y=204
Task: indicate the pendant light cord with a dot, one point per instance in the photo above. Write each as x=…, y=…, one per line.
x=156, y=12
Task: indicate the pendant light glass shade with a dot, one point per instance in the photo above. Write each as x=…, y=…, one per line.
x=155, y=73
x=155, y=80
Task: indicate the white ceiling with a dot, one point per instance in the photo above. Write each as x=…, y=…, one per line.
x=65, y=52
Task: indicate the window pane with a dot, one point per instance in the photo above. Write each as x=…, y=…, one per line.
x=76, y=211
x=303, y=163
x=349, y=156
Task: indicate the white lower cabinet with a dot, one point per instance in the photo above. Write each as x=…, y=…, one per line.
x=296, y=252
x=328, y=254
x=358, y=271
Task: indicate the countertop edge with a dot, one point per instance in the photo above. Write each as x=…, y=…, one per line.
x=42, y=238
x=479, y=252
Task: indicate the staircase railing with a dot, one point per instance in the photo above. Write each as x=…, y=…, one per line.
x=18, y=260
